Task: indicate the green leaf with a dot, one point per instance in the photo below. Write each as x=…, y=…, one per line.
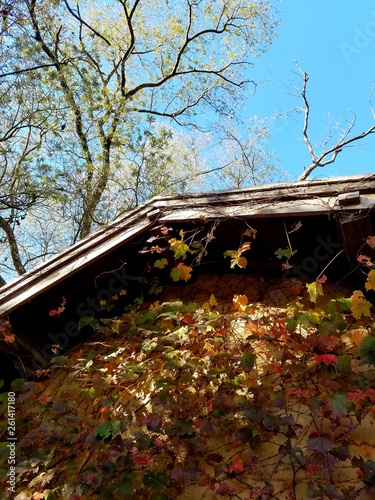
x=156, y=481
x=105, y=429
x=285, y=252
x=127, y=485
x=345, y=364
x=247, y=361
x=145, y=318
x=161, y=263
x=341, y=404
x=345, y=304
x=246, y=436
x=17, y=384
x=367, y=350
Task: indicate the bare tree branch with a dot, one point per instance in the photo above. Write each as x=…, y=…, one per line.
x=327, y=156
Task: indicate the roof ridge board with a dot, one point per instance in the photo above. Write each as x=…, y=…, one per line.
x=328, y=182
x=239, y=197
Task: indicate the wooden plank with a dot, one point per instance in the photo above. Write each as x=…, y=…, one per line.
x=275, y=209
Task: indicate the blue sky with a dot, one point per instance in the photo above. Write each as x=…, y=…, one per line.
x=334, y=42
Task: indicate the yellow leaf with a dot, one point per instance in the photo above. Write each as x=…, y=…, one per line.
x=123, y=292
x=115, y=325
x=179, y=248
x=240, y=302
x=161, y=263
x=360, y=306
x=250, y=232
x=155, y=306
x=212, y=301
x=103, y=302
x=370, y=283
x=314, y=290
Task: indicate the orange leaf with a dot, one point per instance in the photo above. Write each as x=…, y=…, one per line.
x=357, y=336
x=240, y=302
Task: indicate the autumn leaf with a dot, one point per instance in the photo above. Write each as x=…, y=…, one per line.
x=161, y=263
x=314, y=290
x=181, y=272
x=357, y=335
x=285, y=252
x=240, y=302
x=179, y=248
x=59, y=310
x=142, y=459
x=326, y=359
x=359, y=305
x=250, y=232
x=319, y=442
x=366, y=261
x=370, y=282
x=236, y=255
x=236, y=465
x=212, y=301
x=341, y=404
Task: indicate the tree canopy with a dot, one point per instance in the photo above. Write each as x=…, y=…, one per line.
x=92, y=94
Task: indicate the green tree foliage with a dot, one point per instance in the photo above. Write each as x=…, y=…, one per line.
x=90, y=77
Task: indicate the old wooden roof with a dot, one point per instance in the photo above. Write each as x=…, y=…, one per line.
x=313, y=197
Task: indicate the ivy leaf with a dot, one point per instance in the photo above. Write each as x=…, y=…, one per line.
x=246, y=436
x=184, y=475
x=341, y=404
x=236, y=465
x=161, y=263
x=285, y=252
x=314, y=290
x=247, y=361
x=145, y=318
x=179, y=248
x=237, y=258
x=105, y=429
x=240, y=302
x=370, y=282
x=319, y=442
x=359, y=305
x=345, y=364
x=91, y=477
x=367, y=350
x=156, y=481
x=181, y=272
x=326, y=359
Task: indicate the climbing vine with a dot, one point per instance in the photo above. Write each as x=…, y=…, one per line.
x=176, y=400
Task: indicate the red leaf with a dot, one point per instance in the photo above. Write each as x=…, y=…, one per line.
x=326, y=359
x=53, y=312
x=236, y=465
x=142, y=459
x=322, y=280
